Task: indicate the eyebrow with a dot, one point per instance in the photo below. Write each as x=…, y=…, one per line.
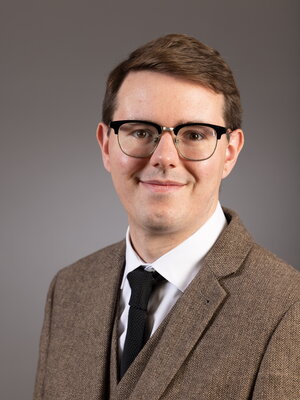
x=180, y=122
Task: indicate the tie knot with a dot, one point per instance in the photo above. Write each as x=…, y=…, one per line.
x=142, y=283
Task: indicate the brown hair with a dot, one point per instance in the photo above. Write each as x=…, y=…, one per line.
x=185, y=57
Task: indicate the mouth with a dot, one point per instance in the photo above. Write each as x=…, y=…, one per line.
x=162, y=186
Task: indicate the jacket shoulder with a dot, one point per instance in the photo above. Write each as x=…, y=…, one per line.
x=258, y=273
x=90, y=266
x=272, y=265
x=272, y=280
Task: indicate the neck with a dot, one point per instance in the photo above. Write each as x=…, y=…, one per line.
x=156, y=245
x=150, y=245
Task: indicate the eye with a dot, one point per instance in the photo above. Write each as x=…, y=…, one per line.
x=141, y=134
x=194, y=136
x=196, y=133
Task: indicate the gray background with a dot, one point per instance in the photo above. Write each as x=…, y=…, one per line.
x=57, y=202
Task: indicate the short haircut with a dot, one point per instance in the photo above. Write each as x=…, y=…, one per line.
x=183, y=56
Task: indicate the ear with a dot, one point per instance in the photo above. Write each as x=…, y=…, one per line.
x=234, y=146
x=103, y=141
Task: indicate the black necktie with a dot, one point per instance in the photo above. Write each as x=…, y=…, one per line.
x=142, y=283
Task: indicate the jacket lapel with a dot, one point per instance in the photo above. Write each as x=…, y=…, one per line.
x=108, y=295
x=114, y=361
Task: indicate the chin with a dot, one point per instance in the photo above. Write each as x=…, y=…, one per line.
x=161, y=224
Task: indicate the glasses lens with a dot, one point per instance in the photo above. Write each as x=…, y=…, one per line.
x=196, y=142
x=137, y=139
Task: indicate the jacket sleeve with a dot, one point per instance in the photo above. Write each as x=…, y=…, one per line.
x=279, y=373
x=44, y=342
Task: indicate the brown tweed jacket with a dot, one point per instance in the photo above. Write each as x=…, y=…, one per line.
x=234, y=333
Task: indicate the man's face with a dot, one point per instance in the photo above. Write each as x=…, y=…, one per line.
x=166, y=194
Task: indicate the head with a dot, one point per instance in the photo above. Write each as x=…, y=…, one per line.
x=171, y=81
x=181, y=56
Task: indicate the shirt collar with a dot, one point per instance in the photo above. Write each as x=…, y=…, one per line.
x=180, y=265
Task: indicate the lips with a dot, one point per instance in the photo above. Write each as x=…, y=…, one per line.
x=162, y=185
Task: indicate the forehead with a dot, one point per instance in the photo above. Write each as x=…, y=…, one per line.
x=168, y=99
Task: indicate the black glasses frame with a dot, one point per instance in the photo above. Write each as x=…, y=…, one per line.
x=220, y=130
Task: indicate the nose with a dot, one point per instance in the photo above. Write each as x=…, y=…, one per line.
x=165, y=155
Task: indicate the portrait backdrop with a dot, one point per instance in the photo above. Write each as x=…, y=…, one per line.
x=57, y=201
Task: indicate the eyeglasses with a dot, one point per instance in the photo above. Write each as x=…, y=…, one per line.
x=194, y=141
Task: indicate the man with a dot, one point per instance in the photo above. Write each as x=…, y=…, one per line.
x=189, y=306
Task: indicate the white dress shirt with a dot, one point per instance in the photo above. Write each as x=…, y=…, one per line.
x=179, y=266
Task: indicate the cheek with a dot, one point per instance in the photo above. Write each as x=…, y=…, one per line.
x=119, y=162
x=127, y=166
x=124, y=169
x=207, y=174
